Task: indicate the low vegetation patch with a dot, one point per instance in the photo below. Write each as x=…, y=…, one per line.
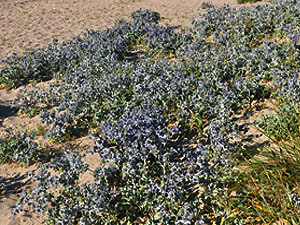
x=22, y=149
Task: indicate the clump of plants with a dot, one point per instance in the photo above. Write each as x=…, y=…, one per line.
x=268, y=191
x=284, y=124
x=21, y=149
x=143, y=176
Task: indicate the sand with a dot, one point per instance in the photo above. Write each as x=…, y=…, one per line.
x=26, y=24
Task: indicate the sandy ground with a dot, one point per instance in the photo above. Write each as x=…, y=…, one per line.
x=26, y=24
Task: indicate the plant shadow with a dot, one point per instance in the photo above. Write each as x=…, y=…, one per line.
x=12, y=185
x=7, y=111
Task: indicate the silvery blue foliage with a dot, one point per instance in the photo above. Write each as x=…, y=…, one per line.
x=20, y=148
x=99, y=69
x=289, y=86
x=295, y=198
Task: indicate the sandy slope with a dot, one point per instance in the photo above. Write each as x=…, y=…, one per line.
x=33, y=23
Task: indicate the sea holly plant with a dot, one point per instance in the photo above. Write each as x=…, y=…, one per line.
x=20, y=148
x=144, y=175
x=283, y=125
x=100, y=73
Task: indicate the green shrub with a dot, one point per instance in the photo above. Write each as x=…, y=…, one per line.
x=284, y=124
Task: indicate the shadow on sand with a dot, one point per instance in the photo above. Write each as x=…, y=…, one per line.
x=7, y=111
x=12, y=185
